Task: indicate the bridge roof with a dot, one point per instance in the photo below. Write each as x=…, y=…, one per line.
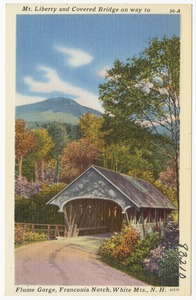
x=100, y=183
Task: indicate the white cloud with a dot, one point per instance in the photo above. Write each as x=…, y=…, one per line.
x=103, y=71
x=55, y=84
x=23, y=99
x=76, y=58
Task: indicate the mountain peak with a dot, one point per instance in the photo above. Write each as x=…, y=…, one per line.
x=59, y=109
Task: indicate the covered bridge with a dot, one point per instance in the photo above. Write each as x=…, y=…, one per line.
x=100, y=199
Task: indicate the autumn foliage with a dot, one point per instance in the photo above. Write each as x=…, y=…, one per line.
x=25, y=142
x=77, y=157
x=129, y=241
x=121, y=245
x=168, y=176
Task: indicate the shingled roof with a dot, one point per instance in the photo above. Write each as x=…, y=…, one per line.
x=100, y=183
x=142, y=193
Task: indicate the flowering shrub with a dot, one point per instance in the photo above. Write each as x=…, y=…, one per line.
x=25, y=188
x=152, y=264
x=142, y=251
x=165, y=264
x=120, y=245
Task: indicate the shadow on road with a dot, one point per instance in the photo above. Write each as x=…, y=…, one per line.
x=88, y=243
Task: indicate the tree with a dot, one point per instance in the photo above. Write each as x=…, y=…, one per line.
x=168, y=176
x=91, y=127
x=59, y=134
x=25, y=142
x=77, y=157
x=144, y=175
x=116, y=156
x=131, y=148
x=145, y=90
x=43, y=150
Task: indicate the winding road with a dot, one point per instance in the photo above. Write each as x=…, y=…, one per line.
x=60, y=263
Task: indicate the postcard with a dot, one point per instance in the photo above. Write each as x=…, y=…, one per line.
x=98, y=150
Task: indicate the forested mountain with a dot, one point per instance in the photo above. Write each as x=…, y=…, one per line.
x=60, y=109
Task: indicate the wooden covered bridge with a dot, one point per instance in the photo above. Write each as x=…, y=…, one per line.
x=100, y=199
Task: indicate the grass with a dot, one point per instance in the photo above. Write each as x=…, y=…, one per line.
x=16, y=246
x=141, y=274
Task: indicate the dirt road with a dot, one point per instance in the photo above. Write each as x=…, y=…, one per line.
x=56, y=263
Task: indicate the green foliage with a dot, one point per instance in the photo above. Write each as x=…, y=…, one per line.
x=163, y=260
x=116, y=157
x=73, y=131
x=145, y=91
x=49, y=116
x=22, y=209
x=129, y=147
x=169, y=268
x=91, y=126
x=30, y=237
x=59, y=135
x=137, y=161
x=29, y=168
x=171, y=194
x=27, y=237
x=35, y=210
x=45, y=144
x=144, y=175
x=142, y=251
x=171, y=234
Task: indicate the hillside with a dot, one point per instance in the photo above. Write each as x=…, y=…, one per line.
x=60, y=109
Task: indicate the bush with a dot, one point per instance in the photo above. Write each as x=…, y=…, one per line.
x=169, y=268
x=18, y=237
x=35, y=210
x=171, y=235
x=26, y=237
x=120, y=245
x=30, y=237
x=25, y=188
x=152, y=264
x=165, y=264
x=130, y=238
x=142, y=250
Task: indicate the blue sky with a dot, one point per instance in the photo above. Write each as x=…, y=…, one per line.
x=68, y=55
